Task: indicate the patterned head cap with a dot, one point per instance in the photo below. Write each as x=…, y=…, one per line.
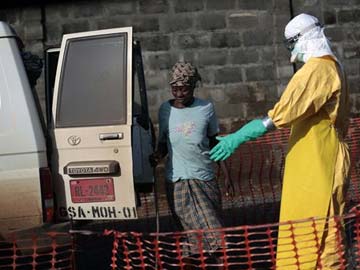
x=184, y=73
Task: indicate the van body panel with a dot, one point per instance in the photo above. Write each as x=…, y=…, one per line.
x=91, y=124
x=20, y=128
x=23, y=148
x=6, y=30
x=25, y=193
x=20, y=203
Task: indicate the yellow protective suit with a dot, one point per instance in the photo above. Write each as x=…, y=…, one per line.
x=315, y=106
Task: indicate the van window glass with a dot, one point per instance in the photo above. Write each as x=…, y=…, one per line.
x=51, y=59
x=93, y=82
x=140, y=103
x=136, y=110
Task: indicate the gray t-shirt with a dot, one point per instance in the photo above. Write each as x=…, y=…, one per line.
x=186, y=131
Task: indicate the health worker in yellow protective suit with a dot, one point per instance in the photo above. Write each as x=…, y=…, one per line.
x=315, y=105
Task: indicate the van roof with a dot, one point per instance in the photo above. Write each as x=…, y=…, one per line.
x=6, y=30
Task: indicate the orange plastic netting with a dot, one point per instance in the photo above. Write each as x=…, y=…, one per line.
x=249, y=240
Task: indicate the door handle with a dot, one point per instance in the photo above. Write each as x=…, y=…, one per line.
x=111, y=136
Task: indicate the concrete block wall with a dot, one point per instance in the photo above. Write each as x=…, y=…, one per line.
x=236, y=44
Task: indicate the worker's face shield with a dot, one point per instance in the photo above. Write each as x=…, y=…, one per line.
x=290, y=42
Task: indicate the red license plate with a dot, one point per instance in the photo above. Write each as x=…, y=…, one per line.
x=92, y=190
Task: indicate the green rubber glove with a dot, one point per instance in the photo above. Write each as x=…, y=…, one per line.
x=228, y=144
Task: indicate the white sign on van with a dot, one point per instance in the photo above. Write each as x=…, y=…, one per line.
x=98, y=212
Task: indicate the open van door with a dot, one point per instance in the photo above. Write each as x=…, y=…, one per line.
x=91, y=129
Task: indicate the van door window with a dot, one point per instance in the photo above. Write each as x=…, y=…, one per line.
x=93, y=88
x=51, y=61
x=140, y=104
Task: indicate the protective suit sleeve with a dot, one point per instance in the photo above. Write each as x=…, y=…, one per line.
x=309, y=89
x=228, y=144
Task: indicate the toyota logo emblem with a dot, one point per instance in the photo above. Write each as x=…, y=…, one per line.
x=74, y=140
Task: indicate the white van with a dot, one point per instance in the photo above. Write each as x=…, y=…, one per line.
x=100, y=134
x=26, y=197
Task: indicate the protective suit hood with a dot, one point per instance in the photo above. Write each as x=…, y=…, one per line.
x=311, y=40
